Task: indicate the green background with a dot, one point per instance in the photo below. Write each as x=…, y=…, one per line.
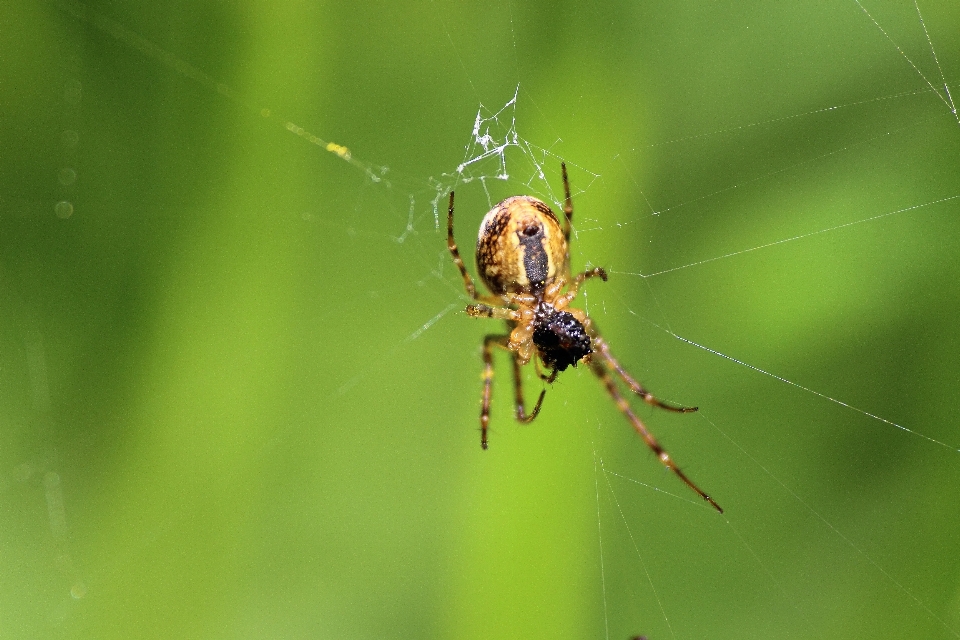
x=239, y=396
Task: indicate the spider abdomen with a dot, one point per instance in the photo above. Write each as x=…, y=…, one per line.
x=521, y=247
x=561, y=340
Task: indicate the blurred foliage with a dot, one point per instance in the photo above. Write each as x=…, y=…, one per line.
x=238, y=397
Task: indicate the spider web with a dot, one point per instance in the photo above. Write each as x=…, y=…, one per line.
x=613, y=484
x=826, y=415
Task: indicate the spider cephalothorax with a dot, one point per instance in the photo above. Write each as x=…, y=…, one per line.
x=523, y=257
x=560, y=339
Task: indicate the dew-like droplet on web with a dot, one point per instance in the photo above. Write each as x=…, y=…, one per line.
x=78, y=590
x=63, y=209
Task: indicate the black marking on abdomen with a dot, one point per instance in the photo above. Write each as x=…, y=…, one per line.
x=535, y=261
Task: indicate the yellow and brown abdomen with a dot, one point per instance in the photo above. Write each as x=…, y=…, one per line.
x=521, y=247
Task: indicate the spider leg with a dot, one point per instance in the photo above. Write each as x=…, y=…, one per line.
x=596, y=272
x=522, y=415
x=567, y=217
x=567, y=203
x=452, y=246
x=548, y=379
x=574, y=287
x=486, y=311
x=601, y=349
x=489, y=342
x=648, y=438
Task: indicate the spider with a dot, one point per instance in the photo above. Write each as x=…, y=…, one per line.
x=523, y=258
